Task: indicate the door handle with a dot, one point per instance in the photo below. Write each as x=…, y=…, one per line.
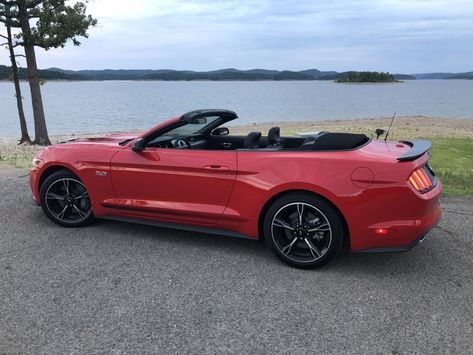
x=227, y=145
x=216, y=168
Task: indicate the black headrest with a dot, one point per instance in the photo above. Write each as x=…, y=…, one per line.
x=274, y=136
x=252, y=140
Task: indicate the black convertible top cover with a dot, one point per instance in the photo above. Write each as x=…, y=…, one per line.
x=338, y=141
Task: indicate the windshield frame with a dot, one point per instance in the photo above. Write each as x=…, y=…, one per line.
x=222, y=117
x=198, y=129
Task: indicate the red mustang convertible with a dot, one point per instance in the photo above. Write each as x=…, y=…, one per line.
x=305, y=196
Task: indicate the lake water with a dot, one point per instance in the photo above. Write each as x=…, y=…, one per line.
x=103, y=106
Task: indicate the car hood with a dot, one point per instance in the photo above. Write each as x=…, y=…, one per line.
x=111, y=139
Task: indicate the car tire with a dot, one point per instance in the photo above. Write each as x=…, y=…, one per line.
x=303, y=230
x=65, y=200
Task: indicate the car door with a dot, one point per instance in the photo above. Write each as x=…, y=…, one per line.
x=175, y=185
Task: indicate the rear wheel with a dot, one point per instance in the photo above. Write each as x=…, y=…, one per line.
x=303, y=230
x=65, y=200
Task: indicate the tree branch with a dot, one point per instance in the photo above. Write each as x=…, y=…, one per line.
x=33, y=12
x=5, y=37
x=12, y=23
x=7, y=12
x=9, y=2
x=7, y=16
x=34, y=3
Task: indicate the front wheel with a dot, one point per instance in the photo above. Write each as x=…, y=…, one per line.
x=65, y=200
x=303, y=230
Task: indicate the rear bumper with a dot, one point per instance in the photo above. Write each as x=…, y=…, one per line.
x=399, y=249
x=407, y=216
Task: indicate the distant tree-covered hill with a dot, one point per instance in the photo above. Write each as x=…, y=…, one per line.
x=404, y=77
x=216, y=75
x=213, y=75
x=169, y=74
x=428, y=76
x=468, y=75
x=228, y=75
x=5, y=73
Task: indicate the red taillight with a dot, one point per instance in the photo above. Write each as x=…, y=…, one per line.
x=421, y=180
x=381, y=231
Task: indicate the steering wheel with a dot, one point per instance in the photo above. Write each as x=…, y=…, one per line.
x=182, y=143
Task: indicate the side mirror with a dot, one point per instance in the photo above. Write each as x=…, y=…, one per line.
x=138, y=145
x=220, y=131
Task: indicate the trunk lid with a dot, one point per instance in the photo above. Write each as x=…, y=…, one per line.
x=401, y=151
x=387, y=149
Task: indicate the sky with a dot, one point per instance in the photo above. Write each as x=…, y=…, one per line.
x=398, y=36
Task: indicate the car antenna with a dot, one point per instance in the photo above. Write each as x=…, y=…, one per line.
x=387, y=133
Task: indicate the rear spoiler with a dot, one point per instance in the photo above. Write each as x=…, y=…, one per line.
x=418, y=148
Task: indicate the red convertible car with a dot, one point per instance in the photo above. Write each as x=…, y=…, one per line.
x=305, y=196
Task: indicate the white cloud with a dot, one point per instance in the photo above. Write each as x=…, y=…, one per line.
x=394, y=35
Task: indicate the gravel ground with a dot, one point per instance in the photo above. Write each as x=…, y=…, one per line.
x=122, y=288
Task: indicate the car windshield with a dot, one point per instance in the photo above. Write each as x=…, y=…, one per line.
x=192, y=128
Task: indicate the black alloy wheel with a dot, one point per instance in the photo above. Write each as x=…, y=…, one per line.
x=303, y=230
x=65, y=200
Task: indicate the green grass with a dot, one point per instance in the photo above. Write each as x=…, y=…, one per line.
x=18, y=156
x=452, y=161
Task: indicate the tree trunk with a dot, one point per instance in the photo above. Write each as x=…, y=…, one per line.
x=41, y=131
x=25, y=137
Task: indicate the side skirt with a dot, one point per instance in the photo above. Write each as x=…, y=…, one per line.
x=185, y=227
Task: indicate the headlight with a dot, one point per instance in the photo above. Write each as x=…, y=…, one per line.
x=36, y=161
